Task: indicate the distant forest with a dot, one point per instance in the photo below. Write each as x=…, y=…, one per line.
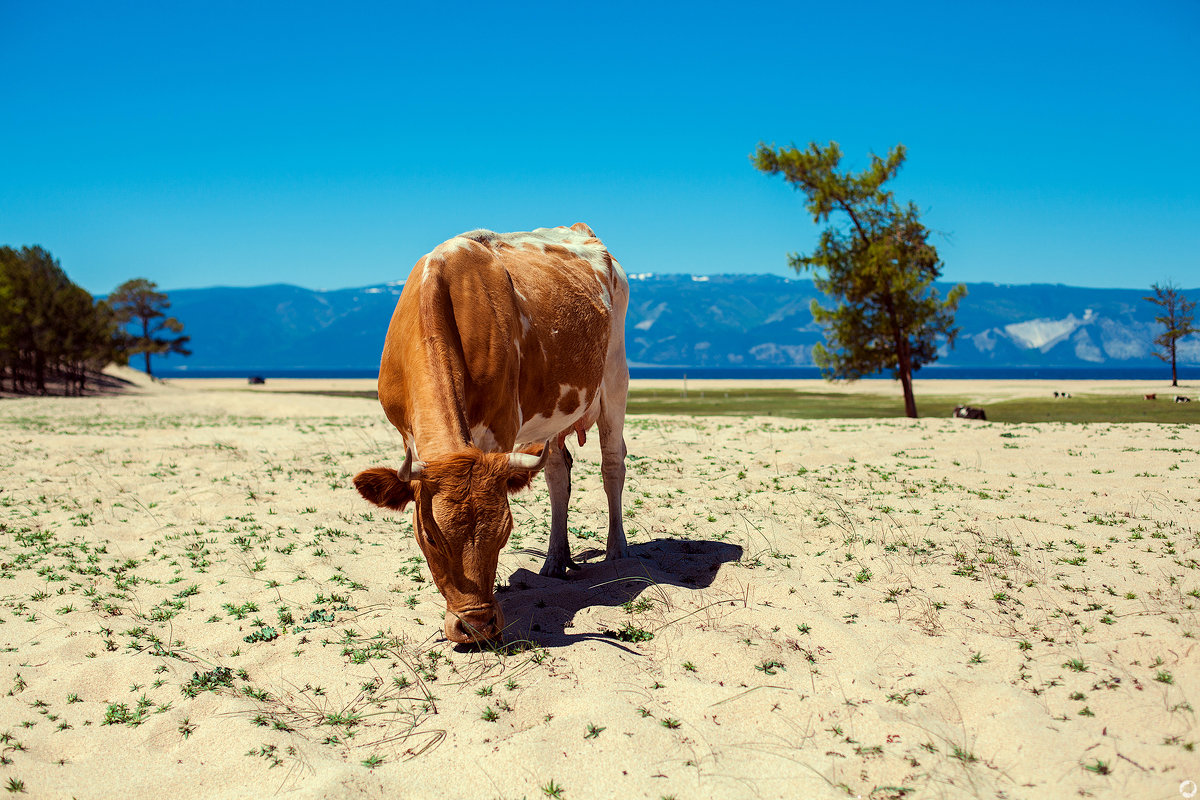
x=53, y=334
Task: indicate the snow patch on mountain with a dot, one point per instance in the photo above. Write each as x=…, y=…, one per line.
x=1085, y=348
x=651, y=317
x=985, y=342
x=1043, y=334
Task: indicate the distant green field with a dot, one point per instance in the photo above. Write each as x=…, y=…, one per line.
x=833, y=405
x=744, y=402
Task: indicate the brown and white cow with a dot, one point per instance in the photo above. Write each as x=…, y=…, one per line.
x=501, y=345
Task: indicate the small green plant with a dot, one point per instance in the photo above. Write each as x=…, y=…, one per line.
x=770, y=667
x=1076, y=665
x=242, y=611
x=631, y=633
x=208, y=682
x=1164, y=677
x=965, y=756
x=1099, y=767
x=263, y=634
x=15, y=785
x=593, y=731
x=552, y=789
x=489, y=715
x=121, y=714
x=373, y=761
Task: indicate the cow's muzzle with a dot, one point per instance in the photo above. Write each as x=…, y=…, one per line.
x=475, y=625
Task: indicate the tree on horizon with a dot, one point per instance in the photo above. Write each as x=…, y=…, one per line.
x=138, y=301
x=1177, y=318
x=879, y=268
x=50, y=328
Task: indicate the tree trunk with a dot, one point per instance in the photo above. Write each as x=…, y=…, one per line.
x=1174, y=373
x=910, y=401
x=39, y=372
x=146, y=339
x=903, y=359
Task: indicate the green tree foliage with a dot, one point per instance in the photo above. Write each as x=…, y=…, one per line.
x=139, y=303
x=1177, y=319
x=878, y=267
x=50, y=329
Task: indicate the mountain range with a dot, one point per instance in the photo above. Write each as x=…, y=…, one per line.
x=719, y=321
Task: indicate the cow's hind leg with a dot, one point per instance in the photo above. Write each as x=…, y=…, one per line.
x=558, y=479
x=612, y=459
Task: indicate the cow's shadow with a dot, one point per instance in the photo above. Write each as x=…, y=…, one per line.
x=543, y=610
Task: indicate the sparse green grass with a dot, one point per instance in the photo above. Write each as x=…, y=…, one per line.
x=836, y=405
x=749, y=401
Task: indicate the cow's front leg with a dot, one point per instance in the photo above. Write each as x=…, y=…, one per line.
x=558, y=478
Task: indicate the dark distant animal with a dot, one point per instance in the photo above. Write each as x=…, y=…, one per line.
x=1181, y=399
x=256, y=380
x=969, y=412
x=501, y=340
x=1152, y=397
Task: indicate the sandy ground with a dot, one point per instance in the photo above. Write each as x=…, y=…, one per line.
x=195, y=603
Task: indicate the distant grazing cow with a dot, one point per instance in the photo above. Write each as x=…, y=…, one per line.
x=501, y=341
x=1181, y=399
x=1152, y=397
x=969, y=412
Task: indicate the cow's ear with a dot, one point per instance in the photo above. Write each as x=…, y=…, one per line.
x=383, y=487
x=519, y=478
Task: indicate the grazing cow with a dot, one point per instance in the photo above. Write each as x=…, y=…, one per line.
x=969, y=412
x=1152, y=397
x=1179, y=398
x=501, y=341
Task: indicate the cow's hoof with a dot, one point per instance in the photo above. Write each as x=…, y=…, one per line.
x=555, y=568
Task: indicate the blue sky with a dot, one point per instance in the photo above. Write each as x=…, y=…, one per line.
x=251, y=143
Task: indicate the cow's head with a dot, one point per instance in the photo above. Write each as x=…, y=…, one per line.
x=462, y=521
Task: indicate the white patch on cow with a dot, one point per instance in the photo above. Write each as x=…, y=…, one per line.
x=452, y=246
x=578, y=244
x=539, y=428
x=483, y=438
x=605, y=297
x=423, y=269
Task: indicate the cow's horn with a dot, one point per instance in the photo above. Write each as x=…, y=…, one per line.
x=528, y=461
x=411, y=468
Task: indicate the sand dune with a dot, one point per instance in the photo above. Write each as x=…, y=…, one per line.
x=195, y=603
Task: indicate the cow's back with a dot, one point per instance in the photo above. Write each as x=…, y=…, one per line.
x=493, y=330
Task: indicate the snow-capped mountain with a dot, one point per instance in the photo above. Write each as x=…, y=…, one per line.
x=684, y=320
